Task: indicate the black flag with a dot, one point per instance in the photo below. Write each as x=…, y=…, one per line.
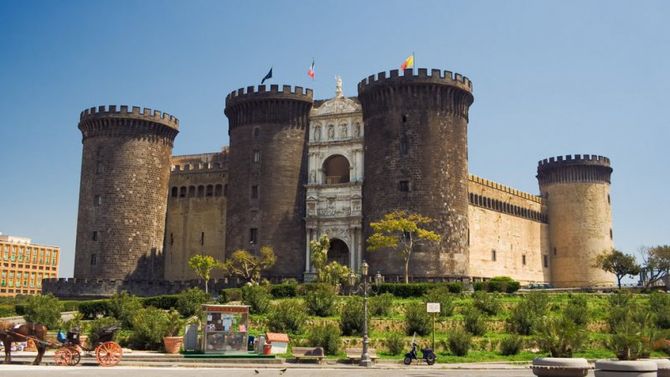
x=267, y=77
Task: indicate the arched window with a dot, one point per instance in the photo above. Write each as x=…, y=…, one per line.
x=336, y=169
x=218, y=190
x=191, y=191
x=182, y=192
x=201, y=191
x=175, y=192
x=210, y=190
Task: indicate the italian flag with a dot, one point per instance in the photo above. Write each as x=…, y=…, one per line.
x=311, y=72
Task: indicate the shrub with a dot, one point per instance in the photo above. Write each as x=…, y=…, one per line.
x=326, y=335
x=380, y=305
x=287, y=316
x=7, y=310
x=44, y=309
x=408, y=290
x=659, y=304
x=229, y=294
x=511, y=345
x=284, y=290
x=474, y=322
x=320, y=299
x=124, y=306
x=631, y=327
x=189, y=302
x=576, y=310
x=488, y=303
x=395, y=343
x=352, y=317
x=526, y=313
x=149, y=326
x=560, y=336
x=444, y=297
x=98, y=324
x=256, y=297
x=165, y=302
x=95, y=309
x=455, y=287
x=459, y=342
x=417, y=319
x=498, y=284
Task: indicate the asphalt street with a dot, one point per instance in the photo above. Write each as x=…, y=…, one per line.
x=40, y=371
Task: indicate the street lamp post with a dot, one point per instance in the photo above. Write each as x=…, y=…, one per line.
x=365, y=357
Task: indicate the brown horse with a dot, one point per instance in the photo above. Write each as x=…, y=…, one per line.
x=20, y=333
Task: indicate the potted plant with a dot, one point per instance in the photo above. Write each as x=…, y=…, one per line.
x=172, y=339
x=560, y=336
x=631, y=337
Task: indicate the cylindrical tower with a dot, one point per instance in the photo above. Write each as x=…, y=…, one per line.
x=576, y=190
x=123, y=195
x=416, y=159
x=267, y=173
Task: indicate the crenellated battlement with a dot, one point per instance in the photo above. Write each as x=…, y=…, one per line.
x=261, y=92
x=576, y=168
x=504, y=188
x=135, y=112
x=421, y=75
x=577, y=159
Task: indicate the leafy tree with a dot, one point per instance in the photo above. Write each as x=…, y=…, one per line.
x=400, y=230
x=331, y=273
x=124, y=306
x=618, y=263
x=44, y=309
x=656, y=264
x=249, y=267
x=203, y=266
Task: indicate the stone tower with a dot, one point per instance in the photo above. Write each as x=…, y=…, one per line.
x=416, y=159
x=267, y=173
x=123, y=194
x=576, y=190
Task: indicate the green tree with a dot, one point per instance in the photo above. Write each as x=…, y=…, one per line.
x=618, y=263
x=203, y=266
x=330, y=273
x=44, y=309
x=656, y=264
x=249, y=267
x=400, y=230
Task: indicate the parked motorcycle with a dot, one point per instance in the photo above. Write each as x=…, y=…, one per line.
x=427, y=354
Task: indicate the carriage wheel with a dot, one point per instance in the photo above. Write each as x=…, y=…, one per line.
x=63, y=356
x=76, y=356
x=108, y=354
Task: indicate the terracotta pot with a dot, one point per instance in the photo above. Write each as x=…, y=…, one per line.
x=626, y=368
x=560, y=367
x=172, y=343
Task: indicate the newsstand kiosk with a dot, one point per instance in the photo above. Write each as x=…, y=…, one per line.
x=225, y=329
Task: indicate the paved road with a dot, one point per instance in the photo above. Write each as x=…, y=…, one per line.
x=47, y=371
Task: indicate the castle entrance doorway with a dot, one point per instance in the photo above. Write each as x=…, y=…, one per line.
x=338, y=252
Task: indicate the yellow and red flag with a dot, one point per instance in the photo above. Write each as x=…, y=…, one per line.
x=408, y=63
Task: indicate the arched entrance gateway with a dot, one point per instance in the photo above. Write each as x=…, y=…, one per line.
x=336, y=169
x=338, y=252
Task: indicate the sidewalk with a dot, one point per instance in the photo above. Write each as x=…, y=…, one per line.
x=156, y=359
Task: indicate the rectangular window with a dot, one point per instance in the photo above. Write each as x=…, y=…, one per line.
x=95, y=235
x=523, y=259
x=202, y=238
x=403, y=186
x=254, y=192
x=257, y=156
x=97, y=200
x=493, y=255
x=546, y=261
x=253, y=236
x=93, y=260
x=98, y=167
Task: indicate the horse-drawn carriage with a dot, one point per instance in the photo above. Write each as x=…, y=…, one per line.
x=107, y=352
x=69, y=347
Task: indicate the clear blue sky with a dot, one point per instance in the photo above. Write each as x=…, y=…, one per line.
x=550, y=78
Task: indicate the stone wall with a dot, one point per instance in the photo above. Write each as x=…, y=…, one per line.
x=196, y=217
x=123, y=192
x=416, y=160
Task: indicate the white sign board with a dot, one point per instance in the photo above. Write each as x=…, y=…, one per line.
x=433, y=307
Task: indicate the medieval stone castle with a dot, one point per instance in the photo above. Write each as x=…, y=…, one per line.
x=298, y=168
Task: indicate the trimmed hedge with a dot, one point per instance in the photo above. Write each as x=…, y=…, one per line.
x=230, y=294
x=94, y=309
x=284, y=290
x=498, y=284
x=410, y=290
x=165, y=302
